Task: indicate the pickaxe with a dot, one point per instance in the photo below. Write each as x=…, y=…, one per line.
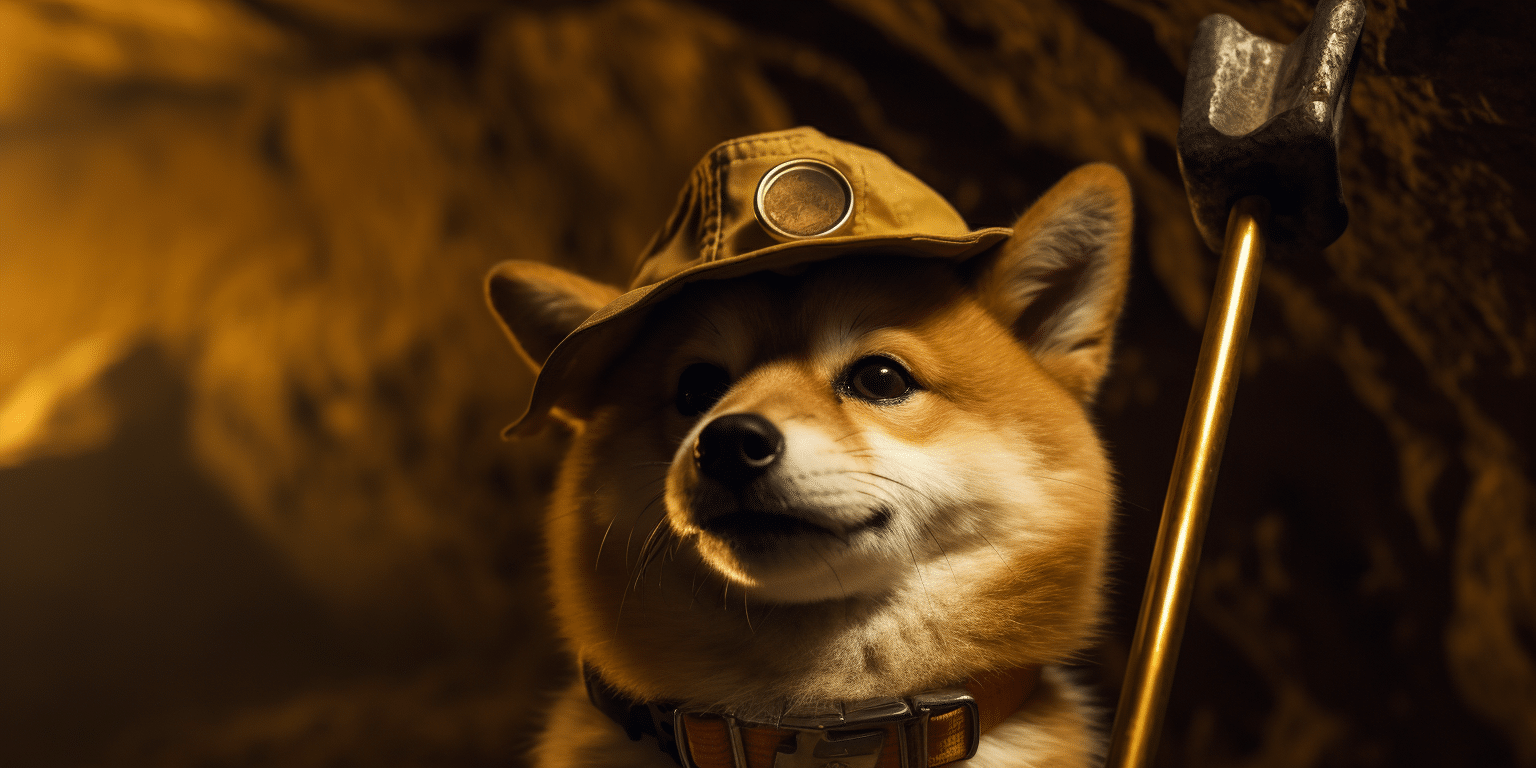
x=1258, y=147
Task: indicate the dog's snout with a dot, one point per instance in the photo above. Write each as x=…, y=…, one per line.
x=737, y=447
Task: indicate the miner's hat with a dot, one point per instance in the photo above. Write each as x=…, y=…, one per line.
x=766, y=202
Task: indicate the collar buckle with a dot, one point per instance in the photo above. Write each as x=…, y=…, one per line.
x=944, y=701
x=855, y=735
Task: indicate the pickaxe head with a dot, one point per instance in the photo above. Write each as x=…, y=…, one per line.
x=1265, y=119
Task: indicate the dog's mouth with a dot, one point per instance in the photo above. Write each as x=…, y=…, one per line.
x=756, y=530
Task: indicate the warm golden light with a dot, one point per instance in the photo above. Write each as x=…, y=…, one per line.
x=254, y=509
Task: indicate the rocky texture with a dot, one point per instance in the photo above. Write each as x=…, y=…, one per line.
x=253, y=511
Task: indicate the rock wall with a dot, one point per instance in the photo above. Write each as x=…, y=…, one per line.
x=252, y=506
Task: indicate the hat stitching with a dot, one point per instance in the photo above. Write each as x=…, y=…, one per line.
x=720, y=161
x=714, y=180
x=860, y=202
x=744, y=149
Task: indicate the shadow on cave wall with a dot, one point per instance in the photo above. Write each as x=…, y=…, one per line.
x=253, y=510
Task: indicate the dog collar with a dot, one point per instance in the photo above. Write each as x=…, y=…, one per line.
x=934, y=728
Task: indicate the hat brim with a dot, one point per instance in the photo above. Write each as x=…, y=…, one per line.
x=592, y=345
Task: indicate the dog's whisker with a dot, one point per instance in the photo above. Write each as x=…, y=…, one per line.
x=942, y=551
x=887, y=497
x=641, y=513
x=598, y=561
x=878, y=476
x=709, y=321
x=645, y=556
x=654, y=555
x=870, y=494
x=649, y=550
x=894, y=480
x=828, y=563
x=912, y=553
x=606, y=531
x=995, y=551
x=636, y=575
x=618, y=617
x=858, y=320
x=1090, y=488
x=858, y=475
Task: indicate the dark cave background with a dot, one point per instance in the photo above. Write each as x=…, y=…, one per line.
x=253, y=508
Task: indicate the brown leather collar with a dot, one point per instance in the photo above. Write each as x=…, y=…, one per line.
x=932, y=729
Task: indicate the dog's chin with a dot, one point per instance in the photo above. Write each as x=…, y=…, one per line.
x=799, y=557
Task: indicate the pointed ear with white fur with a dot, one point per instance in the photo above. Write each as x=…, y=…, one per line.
x=1059, y=282
x=539, y=305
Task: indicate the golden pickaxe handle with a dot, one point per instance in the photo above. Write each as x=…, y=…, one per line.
x=1159, y=630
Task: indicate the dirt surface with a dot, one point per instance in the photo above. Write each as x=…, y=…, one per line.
x=253, y=507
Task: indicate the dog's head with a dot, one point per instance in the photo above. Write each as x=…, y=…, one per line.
x=874, y=446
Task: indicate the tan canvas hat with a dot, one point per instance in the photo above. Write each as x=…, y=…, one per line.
x=765, y=202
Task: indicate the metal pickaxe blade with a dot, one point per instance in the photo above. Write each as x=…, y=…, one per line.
x=1258, y=148
x=1265, y=119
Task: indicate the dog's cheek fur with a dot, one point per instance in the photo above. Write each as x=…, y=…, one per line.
x=608, y=499
x=599, y=509
x=992, y=410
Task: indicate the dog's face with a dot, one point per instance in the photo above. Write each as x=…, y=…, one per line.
x=902, y=438
x=829, y=430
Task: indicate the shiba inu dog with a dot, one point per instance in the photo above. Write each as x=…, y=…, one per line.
x=834, y=497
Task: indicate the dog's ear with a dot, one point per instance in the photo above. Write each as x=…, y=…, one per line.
x=539, y=305
x=1060, y=280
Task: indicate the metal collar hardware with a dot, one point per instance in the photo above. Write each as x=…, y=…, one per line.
x=853, y=736
x=933, y=728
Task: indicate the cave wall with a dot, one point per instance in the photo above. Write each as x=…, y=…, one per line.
x=253, y=510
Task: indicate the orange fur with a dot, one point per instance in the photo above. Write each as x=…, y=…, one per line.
x=956, y=529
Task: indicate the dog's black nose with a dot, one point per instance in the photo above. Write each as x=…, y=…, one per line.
x=737, y=447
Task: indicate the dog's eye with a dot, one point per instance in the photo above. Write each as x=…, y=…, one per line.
x=699, y=387
x=879, y=378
